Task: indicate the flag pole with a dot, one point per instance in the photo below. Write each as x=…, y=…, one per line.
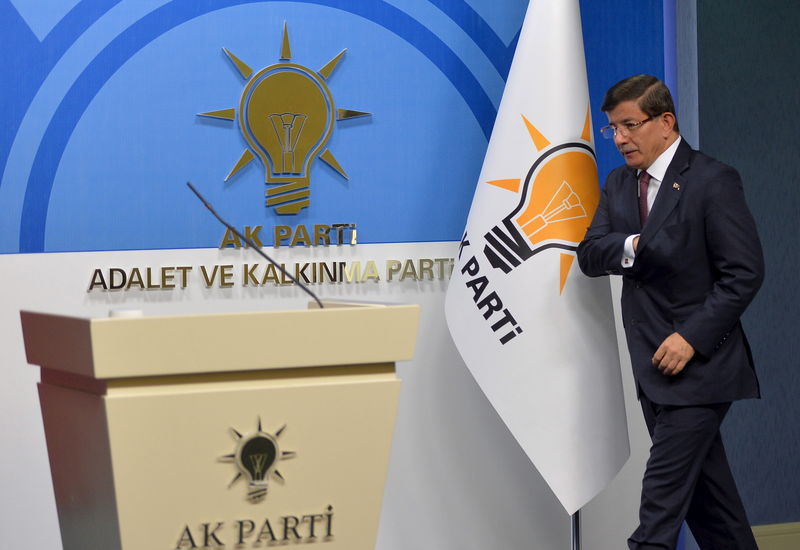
x=575, y=534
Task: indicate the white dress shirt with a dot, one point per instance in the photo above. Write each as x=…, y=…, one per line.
x=657, y=171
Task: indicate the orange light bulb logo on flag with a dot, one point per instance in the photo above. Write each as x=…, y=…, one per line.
x=557, y=201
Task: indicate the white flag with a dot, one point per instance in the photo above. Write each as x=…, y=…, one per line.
x=537, y=335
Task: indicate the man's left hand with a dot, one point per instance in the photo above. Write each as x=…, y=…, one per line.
x=673, y=354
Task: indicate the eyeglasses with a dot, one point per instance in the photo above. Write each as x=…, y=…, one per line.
x=625, y=129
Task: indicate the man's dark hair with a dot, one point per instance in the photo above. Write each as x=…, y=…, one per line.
x=650, y=93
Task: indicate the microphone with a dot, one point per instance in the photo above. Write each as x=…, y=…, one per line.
x=253, y=245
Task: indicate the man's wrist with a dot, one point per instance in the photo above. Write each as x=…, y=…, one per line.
x=628, y=252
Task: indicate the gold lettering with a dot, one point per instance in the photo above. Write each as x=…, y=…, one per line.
x=352, y=272
x=149, y=277
x=230, y=239
x=300, y=273
x=325, y=270
x=135, y=279
x=270, y=275
x=284, y=279
x=282, y=233
x=340, y=227
x=185, y=270
x=371, y=272
x=98, y=280
x=209, y=280
x=112, y=279
x=445, y=267
x=301, y=236
x=252, y=234
x=409, y=271
x=426, y=269
x=226, y=276
x=167, y=276
x=249, y=272
x=392, y=268
x=322, y=234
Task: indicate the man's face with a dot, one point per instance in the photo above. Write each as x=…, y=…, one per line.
x=642, y=145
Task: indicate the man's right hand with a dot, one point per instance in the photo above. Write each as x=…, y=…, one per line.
x=635, y=243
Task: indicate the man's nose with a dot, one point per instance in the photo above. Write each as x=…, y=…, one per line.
x=619, y=139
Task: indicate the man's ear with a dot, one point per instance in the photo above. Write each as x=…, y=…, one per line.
x=667, y=123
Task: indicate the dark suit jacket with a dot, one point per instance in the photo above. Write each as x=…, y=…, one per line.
x=697, y=267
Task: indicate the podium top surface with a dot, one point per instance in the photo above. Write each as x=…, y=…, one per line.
x=108, y=348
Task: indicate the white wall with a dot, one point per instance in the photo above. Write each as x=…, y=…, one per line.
x=457, y=479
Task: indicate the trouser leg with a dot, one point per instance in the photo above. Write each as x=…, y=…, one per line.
x=681, y=440
x=716, y=514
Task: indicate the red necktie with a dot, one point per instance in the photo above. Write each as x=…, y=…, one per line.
x=644, y=180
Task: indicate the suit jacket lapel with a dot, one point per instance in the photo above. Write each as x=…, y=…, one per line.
x=669, y=193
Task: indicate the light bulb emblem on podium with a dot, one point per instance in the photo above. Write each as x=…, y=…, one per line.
x=256, y=457
x=557, y=201
x=286, y=115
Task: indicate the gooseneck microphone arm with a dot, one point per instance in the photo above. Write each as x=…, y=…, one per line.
x=253, y=245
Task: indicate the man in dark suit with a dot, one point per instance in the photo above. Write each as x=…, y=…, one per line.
x=674, y=223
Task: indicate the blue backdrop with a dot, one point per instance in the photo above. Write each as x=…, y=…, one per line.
x=99, y=128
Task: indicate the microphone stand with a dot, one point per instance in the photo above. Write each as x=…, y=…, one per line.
x=253, y=245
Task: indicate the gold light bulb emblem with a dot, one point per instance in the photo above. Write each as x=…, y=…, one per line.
x=286, y=115
x=288, y=128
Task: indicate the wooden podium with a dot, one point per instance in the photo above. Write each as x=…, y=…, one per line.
x=241, y=430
